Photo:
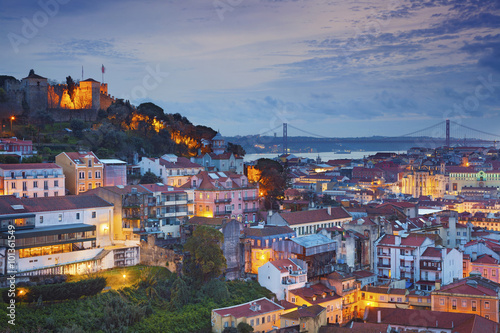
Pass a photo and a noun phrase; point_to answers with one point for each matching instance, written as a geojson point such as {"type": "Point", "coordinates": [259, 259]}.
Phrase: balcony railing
{"type": "Point", "coordinates": [381, 264]}
{"type": "Point", "coordinates": [250, 198]}
{"type": "Point", "coordinates": [383, 254]}
{"type": "Point", "coordinates": [224, 212]}
{"type": "Point", "coordinates": [250, 210]}
{"type": "Point", "coordinates": [223, 200]}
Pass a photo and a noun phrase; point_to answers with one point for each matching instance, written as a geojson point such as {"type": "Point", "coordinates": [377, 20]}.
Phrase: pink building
{"type": "Point", "coordinates": [224, 194]}
{"type": "Point", "coordinates": [16, 146]}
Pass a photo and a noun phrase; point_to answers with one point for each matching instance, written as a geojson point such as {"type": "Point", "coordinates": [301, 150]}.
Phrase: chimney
{"type": "Point", "coordinates": [397, 240]}
{"type": "Point", "coordinates": [437, 286]}
{"type": "Point", "coordinates": [329, 209]}
{"type": "Point", "coordinates": [379, 316]}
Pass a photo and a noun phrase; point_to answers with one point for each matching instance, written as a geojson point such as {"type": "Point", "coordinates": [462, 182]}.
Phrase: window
{"type": "Point", "coordinates": [420, 300]}
{"type": "Point", "coordinates": [98, 174]}
{"type": "Point", "coordinates": [454, 304]}
{"type": "Point", "coordinates": [257, 322]}
{"type": "Point", "coordinates": [293, 299]}
{"type": "Point", "coordinates": [493, 272]}
{"type": "Point", "coordinates": [35, 184]}
{"type": "Point", "coordinates": [90, 163]}
{"type": "Point", "coordinates": [77, 216]}
{"type": "Point", "coordinates": [60, 218]}
{"type": "Point", "coordinates": [382, 298]}
{"type": "Point", "coordinates": [56, 183]}
{"type": "Point", "coordinates": [90, 174]}
{"type": "Point", "coordinates": [41, 219]}
{"type": "Point", "coordinates": [25, 186]}
{"type": "Point", "coordinates": [464, 303]}
{"type": "Point", "coordinates": [13, 185]}
{"type": "Point", "coordinates": [207, 208]}
{"type": "Point", "coordinates": [251, 322]}
{"type": "Point", "coordinates": [485, 271]}
{"type": "Point", "coordinates": [94, 214]}
{"type": "Point", "coordinates": [400, 299]}
{"type": "Point", "coordinates": [81, 175]}
{"type": "Point", "coordinates": [473, 305]}
{"type": "Point", "coordinates": [45, 184]}
{"type": "Point", "coordinates": [263, 320]}
{"type": "Point", "coordinates": [486, 305]}
{"type": "Point", "coordinates": [35, 195]}
{"type": "Point", "coordinates": [441, 301]}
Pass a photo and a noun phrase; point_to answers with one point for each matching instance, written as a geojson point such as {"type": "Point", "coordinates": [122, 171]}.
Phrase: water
{"type": "Point", "coordinates": [325, 156]}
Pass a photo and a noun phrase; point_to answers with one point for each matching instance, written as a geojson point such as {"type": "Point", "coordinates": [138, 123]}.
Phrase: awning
{"type": "Point", "coordinates": [52, 230]}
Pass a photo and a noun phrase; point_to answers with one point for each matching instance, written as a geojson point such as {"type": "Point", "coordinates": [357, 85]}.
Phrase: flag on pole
{"type": "Point", "coordinates": [103, 69]}
{"type": "Point", "coordinates": [82, 72]}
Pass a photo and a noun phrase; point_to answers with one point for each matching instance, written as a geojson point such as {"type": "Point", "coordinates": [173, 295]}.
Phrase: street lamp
{"type": "Point", "coordinates": [11, 119]}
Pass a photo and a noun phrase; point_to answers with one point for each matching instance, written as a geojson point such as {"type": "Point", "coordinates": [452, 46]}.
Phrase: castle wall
{"type": "Point", "coordinates": [106, 101]}
{"type": "Point", "coordinates": [36, 93]}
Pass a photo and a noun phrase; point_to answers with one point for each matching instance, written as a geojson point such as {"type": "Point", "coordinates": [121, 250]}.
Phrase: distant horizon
{"type": "Point", "coordinates": [335, 68]}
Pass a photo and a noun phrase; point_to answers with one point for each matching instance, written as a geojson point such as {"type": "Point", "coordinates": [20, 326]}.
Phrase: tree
{"type": "Point", "coordinates": [244, 328]}
{"type": "Point", "coordinates": [179, 293]}
{"type": "Point", "coordinates": [236, 149]}
{"type": "Point", "coordinates": [272, 181]}
{"type": "Point", "coordinates": [206, 260]}
{"type": "Point", "coordinates": [150, 178]}
{"type": "Point", "coordinates": [77, 126]}
{"type": "Point", "coordinates": [71, 87]}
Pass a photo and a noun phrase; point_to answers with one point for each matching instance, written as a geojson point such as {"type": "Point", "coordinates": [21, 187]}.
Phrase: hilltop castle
{"type": "Point", "coordinates": [34, 93]}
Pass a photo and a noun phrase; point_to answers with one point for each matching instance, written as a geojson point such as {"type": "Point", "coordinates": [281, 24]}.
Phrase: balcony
{"type": "Point", "coordinates": [223, 200]}
{"type": "Point", "coordinates": [250, 198]}
{"type": "Point", "coordinates": [299, 272]}
{"type": "Point", "coordinates": [250, 210]}
{"type": "Point", "coordinates": [407, 268]}
{"type": "Point", "coordinates": [227, 212]}
{"type": "Point", "coordinates": [383, 254]}
{"type": "Point", "coordinates": [381, 264]}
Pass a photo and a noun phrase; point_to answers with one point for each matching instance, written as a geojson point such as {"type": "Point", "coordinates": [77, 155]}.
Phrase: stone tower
{"type": "Point", "coordinates": [90, 88]}
{"type": "Point", "coordinates": [35, 89]}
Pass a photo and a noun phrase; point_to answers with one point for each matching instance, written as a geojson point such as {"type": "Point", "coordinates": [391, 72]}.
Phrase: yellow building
{"type": "Point", "coordinates": [262, 314]}
{"type": "Point", "coordinates": [319, 294]}
{"type": "Point", "coordinates": [83, 171]}
{"type": "Point", "coordinates": [309, 319]}
{"type": "Point", "coordinates": [382, 297]}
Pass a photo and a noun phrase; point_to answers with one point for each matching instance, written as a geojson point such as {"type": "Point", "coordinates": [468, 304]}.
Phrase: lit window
{"type": "Point", "coordinates": [94, 215]}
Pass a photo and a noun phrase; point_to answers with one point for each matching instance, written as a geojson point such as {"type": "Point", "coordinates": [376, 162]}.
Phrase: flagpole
{"type": "Point", "coordinates": [82, 72]}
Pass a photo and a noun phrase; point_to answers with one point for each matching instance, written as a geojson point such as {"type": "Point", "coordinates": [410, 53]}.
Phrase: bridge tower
{"type": "Point", "coordinates": [285, 138]}
{"type": "Point", "coordinates": [447, 133]}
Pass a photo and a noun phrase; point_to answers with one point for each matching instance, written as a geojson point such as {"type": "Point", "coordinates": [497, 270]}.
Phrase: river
{"type": "Point", "coordinates": [325, 156]}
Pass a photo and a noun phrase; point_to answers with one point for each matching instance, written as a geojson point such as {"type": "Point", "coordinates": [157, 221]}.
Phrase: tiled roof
{"type": "Point", "coordinates": [317, 290]}
{"type": "Point", "coordinates": [268, 230]}
{"type": "Point", "coordinates": [282, 265]}
{"type": "Point", "coordinates": [476, 286]}
{"type": "Point", "coordinates": [410, 240]}
{"type": "Point", "coordinates": [182, 162]}
{"type": "Point", "coordinates": [74, 156]}
{"type": "Point", "coordinates": [362, 274]}
{"type": "Point", "coordinates": [302, 312]}
{"type": "Point", "coordinates": [485, 259]}
{"type": "Point", "coordinates": [47, 204]}
{"type": "Point", "coordinates": [243, 310]}
{"type": "Point", "coordinates": [432, 252]}
{"type": "Point", "coordinates": [311, 216]}
{"type": "Point", "coordinates": [29, 166]}
{"type": "Point", "coordinates": [457, 322]}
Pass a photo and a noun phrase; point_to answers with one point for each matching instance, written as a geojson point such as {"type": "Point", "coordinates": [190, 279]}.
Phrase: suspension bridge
{"type": "Point", "coordinates": [446, 133]}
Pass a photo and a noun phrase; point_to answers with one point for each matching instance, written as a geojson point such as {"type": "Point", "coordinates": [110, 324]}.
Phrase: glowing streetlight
{"type": "Point", "coordinates": [124, 276]}
{"type": "Point", "coordinates": [11, 119]}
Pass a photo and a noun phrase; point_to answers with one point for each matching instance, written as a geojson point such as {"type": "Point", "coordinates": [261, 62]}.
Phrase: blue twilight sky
{"type": "Point", "coordinates": [333, 67]}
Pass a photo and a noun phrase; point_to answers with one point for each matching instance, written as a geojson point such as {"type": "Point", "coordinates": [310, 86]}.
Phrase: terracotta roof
{"type": "Point", "coordinates": [283, 264]}
{"type": "Point", "coordinates": [243, 310]}
{"type": "Point", "coordinates": [29, 166]}
{"type": "Point", "coordinates": [457, 322]}
{"type": "Point", "coordinates": [317, 290]}
{"type": "Point", "coordinates": [162, 188]}
{"type": "Point", "coordinates": [363, 274]}
{"type": "Point", "coordinates": [432, 252]}
{"type": "Point", "coordinates": [311, 216]}
{"type": "Point", "coordinates": [74, 156]}
{"type": "Point", "coordinates": [485, 259]}
{"type": "Point", "coordinates": [410, 240]}
{"type": "Point", "coordinates": [47, 204]}
{"type": "Point", "coordinates": [302, 312]}
{"type": "Point", "coordinates": [476, 286]}
{"type": "Point", "coordinates": [268, 230]}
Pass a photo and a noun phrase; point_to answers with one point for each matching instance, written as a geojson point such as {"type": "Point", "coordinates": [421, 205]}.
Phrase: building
{"type": "Point", "coordinates": [219, 194]}
{"type": "Point", "coordinates": [220, 160]}
{"type": "Point", "coordinates": [282, 276]}
{"type": "Point", "coordinates": [422, 182]}
{"type": "Point", "coordinates": [381, 297]}
{"type": "Point", "coordinates": [22, 148]}
{"type": "Point", "coordinates": [307, 319]}
{"type": "Point", "coordinates": [115, 172]}
{"type": "Point", "coordinates": [474, 295]}
{"type": "Point", "coordinates": [32, 180]}
{"type": "Point", "coordinates": [260, 240]}
{"type": "Point", "coordinates": [60, 235]}
{"type": "Point", "coordinates": [262, 314]}
{"type": "Point", "coordinates": [484, 264]}
{"type": "Point", "coordinates": [319, 295]}
{"type": "Point", "coordinates": [317, 251]}
{"type": "Point", "coordinates": [439, 266]}
{"type": "Point", "coordinates": [461, 177]}
{"type": "Point", "coordinates": [173, 170]}
{"type": "Point", "coordinates": [405, 320]}
{"type": "Point", "coordinates": [345, 285]}
{"type": "Point", "coordinates": [83, 171]}
{"type": "Point", "coordinates": [399, 257]}
{"type": "Point", "coordinates": [310, 221]}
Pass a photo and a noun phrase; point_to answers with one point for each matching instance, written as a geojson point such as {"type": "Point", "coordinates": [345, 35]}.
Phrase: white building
{"type": "Point", "coordinates": [281, 276]}
{"type": "Point", "coordinates": [32, 180]}
{"type": "Point", "coordinates": [439, 266]}
{"type": "Point", "coordinates": [173, 170]}
{"type": "Point", "coordinates": [59, 235]}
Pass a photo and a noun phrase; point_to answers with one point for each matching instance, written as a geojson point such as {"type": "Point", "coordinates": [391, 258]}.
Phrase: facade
{"type": "Point", "coordinates": [32, 180]}
{"type": "Point", "coordinates": [224, 195]}
{"type": "Point", "coordinates": [381, 297]}
{"type": "Point", "coordinates": [260, 241]}
{"type": "Point", "coordinates": [474, 295]}
{"type": "Point", "coordinates": [310, 221]}
{"type": "Point", "coordinates": [439, 266]}
{"type": "Point", "coordinates": [262, 314]}
{"type": "Point", "coordinates": [282, 276]}
{"type": "Point", "coordinates": [419, 183]}
{"type": "Point", "coordinates": [174, 171]}
{"type": "Point", "coordinates": [307, 319]}
{"type": "Point", "coordinates": [23, 148]}
{"type": "Point", "coordinates": [115, 172]}
{"type": "Point", "coordinates": [483, 264]}
{"type": "Point", "coordinates": [319, 295]}
{"type": "Point", "coordinates": [461, 177]}
{"type": "Point", "coordinates": [399, 257]}
{"type": "Point", "coordinates": [83, 171]}
{"type": "Point", "coordinates": [346, 286]}
{"type": "Point", "coordinates": [56, 235]}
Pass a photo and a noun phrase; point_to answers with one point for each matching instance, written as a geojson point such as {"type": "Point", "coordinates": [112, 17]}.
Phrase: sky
{"type": "Point", "coordinates": [336, 68]}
